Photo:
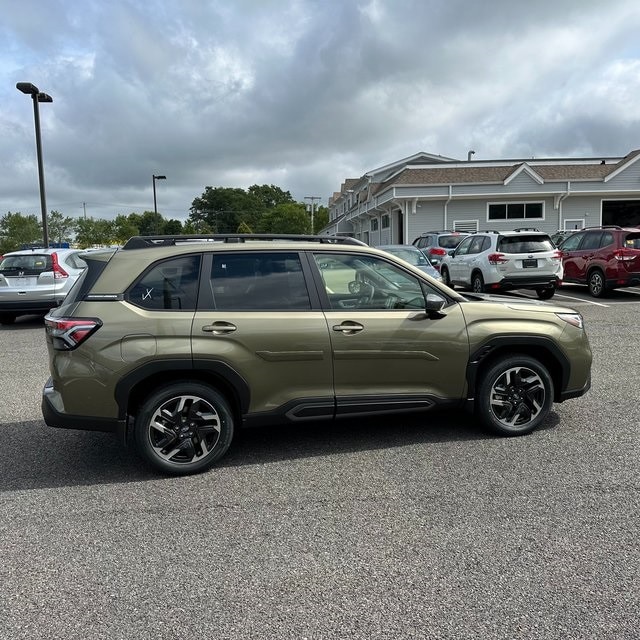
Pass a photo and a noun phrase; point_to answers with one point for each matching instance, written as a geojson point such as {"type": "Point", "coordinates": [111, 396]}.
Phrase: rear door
{"type": "Point", "coordinates": [573, 262]}
{"type": "Point", "coordinates": [257, 316]}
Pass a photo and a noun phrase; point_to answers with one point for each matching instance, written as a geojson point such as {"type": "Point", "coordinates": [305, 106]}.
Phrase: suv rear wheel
{"type": "Point", "coordinates": [546, 294]}
{"type": "Point", "coordinates": [477, 283]}
{"type": "Point", "coordinates": [515, 395]}
{"type": "Point", "coordinates": [596, 283]}
{"type": "Point", "coordinates": [183, 427]}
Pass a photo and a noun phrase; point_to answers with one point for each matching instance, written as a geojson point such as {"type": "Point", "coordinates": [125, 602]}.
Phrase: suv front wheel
{"type": "Point", "coordinates": [515, 395]}
{"type": "Point", "coordinates": [183, 428]}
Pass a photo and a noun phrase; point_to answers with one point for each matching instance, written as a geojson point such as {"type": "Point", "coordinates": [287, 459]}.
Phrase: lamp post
{"type": "Point", "coordinates": [155, 206]}
{"type": "Point", "coordinates": [37, 97]}
{"type": "Point", "coordinates": [313, 200]}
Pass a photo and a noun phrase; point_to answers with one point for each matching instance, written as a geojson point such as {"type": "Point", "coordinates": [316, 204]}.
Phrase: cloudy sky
{"type": "Point", "coordinates": [300, 93]}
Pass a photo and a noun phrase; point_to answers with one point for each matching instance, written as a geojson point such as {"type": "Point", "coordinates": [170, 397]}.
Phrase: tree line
{"type": "Point", "coordinates": [259, 209]}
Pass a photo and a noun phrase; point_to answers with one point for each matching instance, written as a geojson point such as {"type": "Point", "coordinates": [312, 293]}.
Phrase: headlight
{"type": "Point", "coordinates": [574, 319]}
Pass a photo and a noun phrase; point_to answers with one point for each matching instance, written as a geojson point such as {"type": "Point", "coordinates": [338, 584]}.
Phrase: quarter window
{"type": "Point", "coordinates": [168, 285]}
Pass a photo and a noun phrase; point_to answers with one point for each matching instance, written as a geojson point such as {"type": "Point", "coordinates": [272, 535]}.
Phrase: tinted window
{"type": "Point", "coordinates": [27, 264]}
{"type": "Point", "coordinates": [525, 244]}
{"type": "Point", "coordinates": [450, 242]}
{"type": "Point", "coordinates": [171, 284]}
{"type": "Point", "coordinates": [572, 242]}
{"type": "Point", "coordinates": [258, 281]}
{"type": "Point", "coordinates": [607, 239]}
{"type": "Point", "coordinates": [632, 241]}
{"type": "Point", "coordinates": [591, 241]}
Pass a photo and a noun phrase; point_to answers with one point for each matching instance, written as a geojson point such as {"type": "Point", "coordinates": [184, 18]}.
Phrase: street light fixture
{"type": "Point", "coordinates": [37, 97]}
{"type": "Point", "coordinates": [155, 205]}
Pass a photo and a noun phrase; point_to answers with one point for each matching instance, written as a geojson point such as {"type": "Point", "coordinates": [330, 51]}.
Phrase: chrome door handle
{"type": "Point", "coordinates": [348, 327]}
{"type": "Point", "coordinates": [219, 328]}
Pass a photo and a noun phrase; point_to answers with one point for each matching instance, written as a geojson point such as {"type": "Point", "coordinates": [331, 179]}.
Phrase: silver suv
{"type": "Point", "coordinates": [505, 260]}
{"type": "Point", "coordinates": [32, 281]}
{"type": "Point", "coordinates": [436, 244]}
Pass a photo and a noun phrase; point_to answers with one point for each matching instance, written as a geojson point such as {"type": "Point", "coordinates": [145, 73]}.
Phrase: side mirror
{"type": "Point", "coordinates": [434, 305]}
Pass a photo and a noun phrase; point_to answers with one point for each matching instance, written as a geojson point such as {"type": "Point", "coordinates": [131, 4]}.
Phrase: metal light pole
{"type": "Point", "coordinates": [37, 96]}
{"type": "Point", "coordinates": [155, 206]}
{"type": "Point", "coordinates": [313, 199]}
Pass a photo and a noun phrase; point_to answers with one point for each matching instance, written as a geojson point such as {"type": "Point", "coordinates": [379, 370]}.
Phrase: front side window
{"type": "Point", "coordinates": [368, 282]}
{"type": "Point", "coordinates": [572, 242]}
{"type": "Point", "coordinates": [463, 247]}
{"type": "Point", "coordinates": [252, 281]}
{"type": "Point", "coordinates": [515, 211]}
{"type": "Point", "coordinates": [168, 285]}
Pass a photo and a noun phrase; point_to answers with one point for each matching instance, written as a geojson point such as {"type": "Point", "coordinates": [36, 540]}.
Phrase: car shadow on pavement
{"type": "Point", "coordinates": [35, 456]}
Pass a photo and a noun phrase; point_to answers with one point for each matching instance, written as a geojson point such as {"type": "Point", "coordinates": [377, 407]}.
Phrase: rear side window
{"type": "Point", "coordinates": [258, 281]}
{"type": "Point", "coordinates": [27, 264]}
{"type": "Point", "coordinates": [169, 285]}
{"type": "Point", "coordinates": [525, 244]}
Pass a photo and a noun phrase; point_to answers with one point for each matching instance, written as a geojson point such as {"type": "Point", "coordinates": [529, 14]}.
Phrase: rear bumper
{"type": "Point", "coordinates": [55, 416]}
{"type": "Point", "coordinates": [27, 306]}
{"type": "Point", "coordinates": [526, 282]}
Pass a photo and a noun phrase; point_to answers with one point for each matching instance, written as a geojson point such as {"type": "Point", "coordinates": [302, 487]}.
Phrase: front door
{"type": "Point", "coordinates": [387, 352]}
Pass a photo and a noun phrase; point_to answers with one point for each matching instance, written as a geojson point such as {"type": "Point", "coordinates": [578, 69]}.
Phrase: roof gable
{"type": "Point", "coordinates": [625, 163]}
{"type": "Point", "coordinates": [524, 168]}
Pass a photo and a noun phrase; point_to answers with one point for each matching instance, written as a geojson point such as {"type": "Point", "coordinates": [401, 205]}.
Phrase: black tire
{"type": "Point", "coordinates": [183, 427]}
{"type": "Point", "coordinates": [546, 294]}
{"type": "Point", "coordinates": [7, 318]}
{"type": "Point", "coordinates": [597, 283]}
{"type": "Point", "coordinates": [477, 283]}
{"type": "Point", "coordinates": [514, 396]}
{"type": "Point", "coordinates": [444, 272]}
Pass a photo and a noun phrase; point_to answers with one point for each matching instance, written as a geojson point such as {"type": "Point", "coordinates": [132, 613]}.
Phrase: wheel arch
{"type": "Point", "coordinates": [134, 387]}
{"type": "Point", "coordinates": [539, 348]}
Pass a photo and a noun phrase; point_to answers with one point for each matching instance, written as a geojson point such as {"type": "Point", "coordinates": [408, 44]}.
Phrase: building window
{"type": "Point", "coordinates": [516, 211]}
{"type": "Point", "coordinates": [374, 224]}
{"type": "Point", "coordinates": [385, 221]}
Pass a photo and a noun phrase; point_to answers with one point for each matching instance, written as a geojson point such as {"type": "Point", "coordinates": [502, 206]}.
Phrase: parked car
{"type": "Point", "coordinates": [506, 260]}
{"type": "Point", "coordinates": [412, 255]}
{"type": "Point", "coordinates": [175, 342]}
{"type": "Point", "coordinates": [436, 244]}
{"type": "Point", "coordinates": [604, 258]}
{"type": "Point", "coordinates": [32, 281]}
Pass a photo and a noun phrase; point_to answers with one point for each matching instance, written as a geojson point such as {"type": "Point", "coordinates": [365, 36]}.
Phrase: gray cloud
{"type": "Point", "coordinates": [300, 94]}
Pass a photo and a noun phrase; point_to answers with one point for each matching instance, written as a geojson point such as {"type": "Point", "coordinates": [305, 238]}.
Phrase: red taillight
{"type": "Point", "coordinates": [436, 251]}
{"type": "Point", "coordinates": [497, 258]}
{"type": "Point", "coordinates": [69, 333]}
{"type": "Point", "coordinates": [58, 272]}
{"type": "Point", "coordinates": [625, 255]}
{"type": "Point", "coordinates": [557, 255]}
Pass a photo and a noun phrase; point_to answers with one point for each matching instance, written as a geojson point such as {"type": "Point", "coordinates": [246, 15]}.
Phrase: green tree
{"type": "Point", "coordinates": [223, 209]}
{"type": "Point", "coordinates": [269, 195]}
{"type": "Point", "coordinates": [286, 218]}
{"type": "Point", "coordinates": [60, 228]}
{"type": "Point", "coordinates": [17, 229]}
{"type": "Point", "coordinates": [199, 227]}
{"type": "Point", "coordinates": [91, 232]}
{"type": "Point", "coordinates": [124, 227]}
{"type": "Point", "coordinates": [172, 227]}
{"type": "Point", "coordinates": [320, 219]}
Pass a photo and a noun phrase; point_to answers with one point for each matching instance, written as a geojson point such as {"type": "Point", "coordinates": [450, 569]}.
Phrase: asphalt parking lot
{"type": "Point", "coordinates": [419, 527]}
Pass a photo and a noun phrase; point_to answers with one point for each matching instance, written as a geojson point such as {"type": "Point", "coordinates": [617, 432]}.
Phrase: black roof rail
{"type": "Point", "coordinates": [603, 226]}
{"type": "Point", "coordinates": [526, 229]}
{"type": "Point", "coordinates": [144, 242]}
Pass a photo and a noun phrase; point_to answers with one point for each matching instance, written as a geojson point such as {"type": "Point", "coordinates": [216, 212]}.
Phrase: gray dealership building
{"type": "Point", "coordinates": [397, 202]}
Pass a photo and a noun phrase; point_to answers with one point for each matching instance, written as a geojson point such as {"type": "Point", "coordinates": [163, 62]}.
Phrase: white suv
{"type": "Point", "coordinates": [505, 260]}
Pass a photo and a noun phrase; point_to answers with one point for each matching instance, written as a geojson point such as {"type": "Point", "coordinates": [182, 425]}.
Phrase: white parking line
{"type": "Point", "coordinates": [563, 295]}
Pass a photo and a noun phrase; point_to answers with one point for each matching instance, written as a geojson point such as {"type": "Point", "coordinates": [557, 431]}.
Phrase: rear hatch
{"type": "Point", "coordinates": [524, 255]}
{"type": "Point", "coordinates": [28, 276]}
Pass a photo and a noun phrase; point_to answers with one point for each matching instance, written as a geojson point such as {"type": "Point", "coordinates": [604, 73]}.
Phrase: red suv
{"type": "Point", "coordinates": [603, 258]}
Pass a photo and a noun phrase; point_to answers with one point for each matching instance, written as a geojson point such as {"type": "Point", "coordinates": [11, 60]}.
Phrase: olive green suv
{"type": "Point", "coordinates": [175, 342]}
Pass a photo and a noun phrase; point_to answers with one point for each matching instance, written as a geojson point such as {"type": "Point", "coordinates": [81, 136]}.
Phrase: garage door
{"type": "Point", "coordinates": [625, 213]}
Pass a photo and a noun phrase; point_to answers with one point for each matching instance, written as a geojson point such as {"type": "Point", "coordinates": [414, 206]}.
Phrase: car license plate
{"type": "Point", "coordinates": [529, 264]}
